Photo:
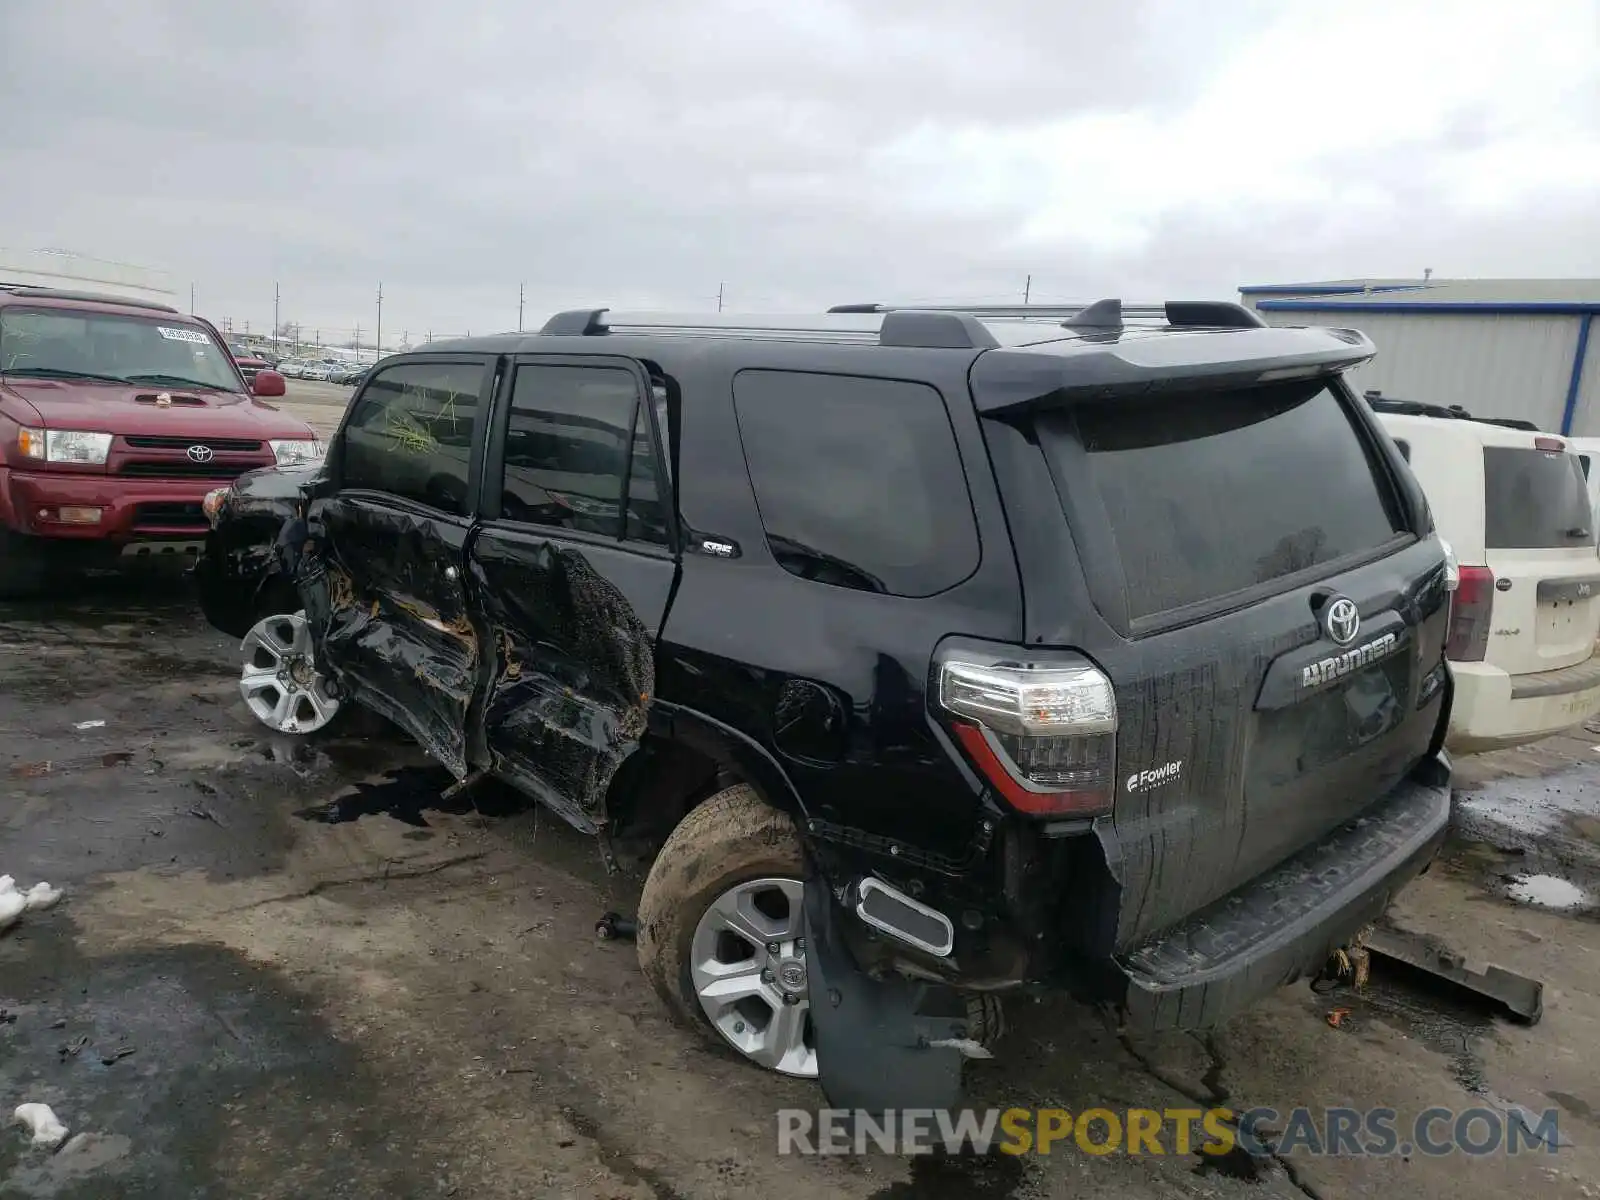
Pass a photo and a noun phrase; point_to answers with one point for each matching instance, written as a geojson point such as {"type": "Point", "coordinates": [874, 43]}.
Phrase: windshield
{"type": "Point", "coordinates": [62, 344]}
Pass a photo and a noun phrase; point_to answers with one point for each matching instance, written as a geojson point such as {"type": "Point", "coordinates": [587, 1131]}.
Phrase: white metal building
{"type": "Point", "coordinates": [1497, 347]}
{"type": "Point", "coordinates": [80, 273]}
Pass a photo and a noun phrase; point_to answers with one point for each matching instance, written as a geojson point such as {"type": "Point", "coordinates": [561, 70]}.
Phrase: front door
{"type": "Point", "coordinates": [394, 628]}
{"type": "Point", "coordinates": [573, 568]}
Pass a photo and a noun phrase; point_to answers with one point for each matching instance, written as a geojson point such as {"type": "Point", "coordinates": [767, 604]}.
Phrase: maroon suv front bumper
{"type": "Point", "coordinates": [130, 509]}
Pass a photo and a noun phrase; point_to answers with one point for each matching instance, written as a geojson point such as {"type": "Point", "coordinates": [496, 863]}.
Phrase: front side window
{"type": "Point", "coordinates": [410, 434]}
{"type": "Point", "coordinates": [858, 480]}
{"type": "Point", "coordinates": [577, 443]}
{"type": "Point", "coordinates": [63, 344]}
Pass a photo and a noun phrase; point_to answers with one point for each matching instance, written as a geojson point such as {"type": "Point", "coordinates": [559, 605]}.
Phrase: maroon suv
{"type": "Point", "coordinates": [116, 418]}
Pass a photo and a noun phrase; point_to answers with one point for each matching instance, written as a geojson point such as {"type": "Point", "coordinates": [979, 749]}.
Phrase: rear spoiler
{"type": "Point", "coordinates": [1061, 372]}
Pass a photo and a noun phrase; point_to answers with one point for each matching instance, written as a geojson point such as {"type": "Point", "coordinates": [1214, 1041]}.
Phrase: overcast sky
{"type": "Point", "coordinates": [641, 153]}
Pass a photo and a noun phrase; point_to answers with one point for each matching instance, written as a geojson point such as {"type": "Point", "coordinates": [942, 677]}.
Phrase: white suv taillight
{"type": "Point", "coordinates": [1044, 737]}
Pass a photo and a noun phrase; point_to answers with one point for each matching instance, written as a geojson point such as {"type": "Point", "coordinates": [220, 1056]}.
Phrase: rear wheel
{"type": "Point", "coordinates": [722, 930]}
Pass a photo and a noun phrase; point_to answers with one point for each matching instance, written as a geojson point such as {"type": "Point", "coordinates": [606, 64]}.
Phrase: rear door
{"type": "Point", "coordinates": [1274, 625]}
{"type": "Point", "coordinates": [572, 570]}
{"type": "Point", "coordinates": [1539, 541]}
{"type": "Point", "coordinates": [395, 628]}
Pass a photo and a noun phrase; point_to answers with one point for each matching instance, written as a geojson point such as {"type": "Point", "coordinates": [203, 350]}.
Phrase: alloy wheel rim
{"type": "Point", "coordinates": [279, 681]}
{"type": "Point", "coordinates": [748, 967]}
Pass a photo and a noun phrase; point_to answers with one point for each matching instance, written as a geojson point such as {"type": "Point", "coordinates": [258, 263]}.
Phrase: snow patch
{"type": "Point", "coordinates": [42, 1123]}
{"type": "Point", "coordinates": [1548, 891]}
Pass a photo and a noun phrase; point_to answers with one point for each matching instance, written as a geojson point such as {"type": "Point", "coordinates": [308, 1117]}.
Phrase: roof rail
{"type": "Point", "coordinates": [1100, 314]}
{"type": "Point", "coordinates": [1378, 402]}
{"type": "Point", "coordinates": [904, 328]}
{"type": "Point", "coordinates": [45, 293]}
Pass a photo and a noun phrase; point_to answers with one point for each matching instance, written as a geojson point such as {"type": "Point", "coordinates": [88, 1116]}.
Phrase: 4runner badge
{"type": "Point", "coordinates": [1339, 665]}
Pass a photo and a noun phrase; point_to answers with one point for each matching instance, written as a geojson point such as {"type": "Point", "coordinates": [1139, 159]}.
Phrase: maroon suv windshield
{"type": "Point", "coordinates": [56, 343]}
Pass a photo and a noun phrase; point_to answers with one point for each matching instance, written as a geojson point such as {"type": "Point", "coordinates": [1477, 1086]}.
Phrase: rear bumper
{"type": "Point", "coordinates": [1283, 926]}
{"type": "Point", "coordinates": [131, 509]}
{"type": "Point", "coordinates": [1494, 709]}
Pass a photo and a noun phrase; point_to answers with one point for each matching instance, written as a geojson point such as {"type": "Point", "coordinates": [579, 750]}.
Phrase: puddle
{"type": "Point", "coordinates": [408, 793]}
{"type": "Point", "coordinates": [1429, 1010]}
{"type": "Point", "coordinates": [1547, 891]}
{"type": "Point", "coordinates": [958, 1177]}
{"type": "Point", "coordinates": [1521, 811]}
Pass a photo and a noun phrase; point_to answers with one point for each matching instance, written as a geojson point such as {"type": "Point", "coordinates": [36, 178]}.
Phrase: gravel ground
{"type": "Point", "coordinates": [411, 1002]}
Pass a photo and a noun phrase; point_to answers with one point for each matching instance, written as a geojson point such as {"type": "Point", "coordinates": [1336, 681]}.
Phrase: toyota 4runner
{"type": "Point", "coordinates": [116, 417]}
{"type": "Point", "coordinates": [941, 651]}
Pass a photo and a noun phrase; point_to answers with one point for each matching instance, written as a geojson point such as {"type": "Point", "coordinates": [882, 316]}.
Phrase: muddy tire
{"type": "Point", "coordinates": [733, 839]}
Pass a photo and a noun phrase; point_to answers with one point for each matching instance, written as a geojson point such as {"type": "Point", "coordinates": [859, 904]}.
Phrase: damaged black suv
{"type": "Point", "coordinates": [939, 651]}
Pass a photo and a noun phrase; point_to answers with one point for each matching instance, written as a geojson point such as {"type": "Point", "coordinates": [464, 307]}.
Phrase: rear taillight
{"type": "Point", "coordinates": [1044, 737]}
{"type": "Point", "coordinates": [1471, 610]}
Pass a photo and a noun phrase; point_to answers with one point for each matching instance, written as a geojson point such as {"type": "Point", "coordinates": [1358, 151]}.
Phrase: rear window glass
{"type": "Point", "coordinates": [1534, 500]}
{"type": "Point", "coordinates": [1211, 494]}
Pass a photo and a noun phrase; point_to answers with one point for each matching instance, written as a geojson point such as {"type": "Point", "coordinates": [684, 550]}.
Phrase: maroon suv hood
{"type": "Point", "coordinates": [114, 408]}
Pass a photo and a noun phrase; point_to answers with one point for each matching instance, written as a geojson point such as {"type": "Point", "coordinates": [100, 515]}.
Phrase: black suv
{"type": "Point", "coordinates": [939, 651]}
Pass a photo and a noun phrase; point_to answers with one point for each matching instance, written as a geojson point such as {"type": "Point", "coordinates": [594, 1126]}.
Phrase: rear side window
{"type": "Point", "coordinates": [1212, 494]}
{"type": "Point", "coordinates": [411, 433]}
{"type": "Point", "coordinates": [1534, 500]}
{"type": "Point", "coordinates": [577, 442]}
{"type": "Point", "coordinates": [1404, 447]}
{"type": "Point", "coordinates": [858, 480]}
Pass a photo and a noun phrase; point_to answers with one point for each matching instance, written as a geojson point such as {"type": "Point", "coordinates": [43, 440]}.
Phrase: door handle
{"type": "Point", "coordinates": [451, 573]}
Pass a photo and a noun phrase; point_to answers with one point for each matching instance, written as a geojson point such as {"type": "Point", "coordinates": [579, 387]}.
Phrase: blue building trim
{"type": "Point", "coordinates": [1576, 382]}
{"type": "Point", "coordinates": [1326, 289]}
{"type": "Point", "coordinates": [1485, 308]}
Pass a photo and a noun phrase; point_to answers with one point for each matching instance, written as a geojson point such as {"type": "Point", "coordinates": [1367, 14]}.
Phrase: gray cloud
{"type": "Point", "coordinates": [639, 154]}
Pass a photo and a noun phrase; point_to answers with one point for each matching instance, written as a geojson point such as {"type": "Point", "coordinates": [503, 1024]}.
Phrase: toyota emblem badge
{"type": "Point", "coordinates": [200, 454]}
{"type": "Point", "coordinates": [1342, 621]}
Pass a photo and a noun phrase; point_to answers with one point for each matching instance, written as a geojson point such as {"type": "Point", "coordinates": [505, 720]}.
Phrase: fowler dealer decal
{"type": "Point", "coordinates": [1340, 665]}
{"type": "Point", "coordinates": [1143, 781]}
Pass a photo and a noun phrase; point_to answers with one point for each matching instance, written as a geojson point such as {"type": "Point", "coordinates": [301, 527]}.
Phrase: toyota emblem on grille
{"type": "Point", "coordinates": [205, 453]}
{"type": "Point", "coordinates": [1342, 621]}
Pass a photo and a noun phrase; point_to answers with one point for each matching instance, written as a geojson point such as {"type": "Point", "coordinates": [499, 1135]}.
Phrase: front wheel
{"type": "Point", "coordinates": [280, 682]}
{"type": "Point", "coordinates": [722, 930]}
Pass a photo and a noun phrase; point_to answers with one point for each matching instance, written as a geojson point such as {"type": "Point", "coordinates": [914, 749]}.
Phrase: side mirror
{"type": "Point", "coordinates": [269, 383]}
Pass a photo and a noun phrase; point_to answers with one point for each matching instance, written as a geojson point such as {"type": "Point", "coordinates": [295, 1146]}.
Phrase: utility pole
{"type": "Point", "coordinates": [719, 296]}
{"type": "Point", "coordinates": [377, 338]}
{"type": "Point", "coordinates": [246, 325]}
{"type": "Point", "coordinates": [191, 299]}
{"type": "Point", "coordinates": [275, 329]}
{"type": "Point", "coordinates": [1027, 290]}
{"type": "Point", "coordinates": [357, 340]}
{"type": "Point", "coordinates": [520, 286]}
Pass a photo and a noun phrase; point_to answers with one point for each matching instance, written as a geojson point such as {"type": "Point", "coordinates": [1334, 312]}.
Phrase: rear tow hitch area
{"type": "Point", "coordinates": [881, 1044]}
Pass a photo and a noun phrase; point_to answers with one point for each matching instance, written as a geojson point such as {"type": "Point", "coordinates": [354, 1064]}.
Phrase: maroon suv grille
{"type": "Point", "coordinates": [180, 468]}
{"type": "Point", "coordinates": [163, 442]}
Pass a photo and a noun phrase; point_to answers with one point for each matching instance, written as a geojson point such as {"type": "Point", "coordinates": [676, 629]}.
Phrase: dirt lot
{"type": "Point", "coordinates": [331, 989]}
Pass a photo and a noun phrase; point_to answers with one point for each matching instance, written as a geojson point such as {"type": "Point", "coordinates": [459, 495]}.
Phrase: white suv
{"type": "Point", "coordinates": [1514, 505]}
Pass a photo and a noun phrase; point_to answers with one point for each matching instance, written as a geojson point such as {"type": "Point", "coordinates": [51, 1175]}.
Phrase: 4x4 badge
{"type": "Point", "coordinates": [1342, 621]}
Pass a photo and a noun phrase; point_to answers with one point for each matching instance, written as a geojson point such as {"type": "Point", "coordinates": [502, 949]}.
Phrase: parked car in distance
{"type": "Point", "coordinates": [695, 582]}
{"type": "Point", "coordinates": [315, 370]}
{"type": "Point", "coordinates": [249, 366]}
{"type": "Point", "coordinates": [1514, 506]}
{"type": "Point", "coordinates": [116, 417]}
{"type": "Point", "coordinates": [291, 367]}
{"type": "Point", "coordinates": [351, 374]}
